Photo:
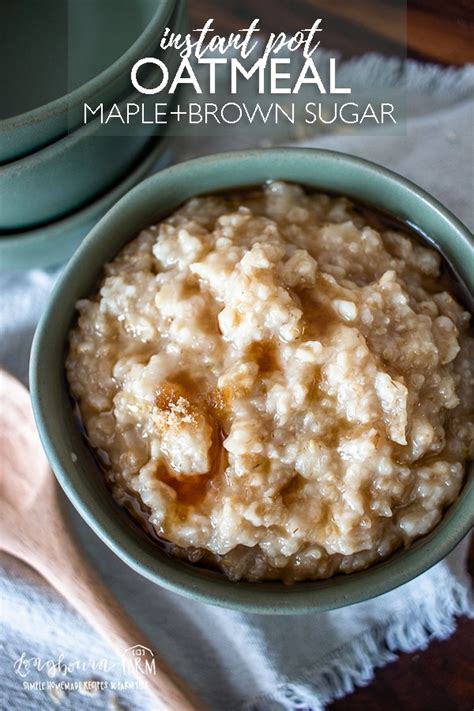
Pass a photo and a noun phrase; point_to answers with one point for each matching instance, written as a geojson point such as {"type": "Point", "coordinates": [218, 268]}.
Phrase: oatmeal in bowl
{"type": "Point", "coordinates": [279, 380]}
{"type": "Point", "coordinates": [254, 377]}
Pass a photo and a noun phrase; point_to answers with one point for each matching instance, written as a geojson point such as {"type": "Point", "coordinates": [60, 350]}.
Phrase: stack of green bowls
{"type": "Point", "coordinates": [59, 175]}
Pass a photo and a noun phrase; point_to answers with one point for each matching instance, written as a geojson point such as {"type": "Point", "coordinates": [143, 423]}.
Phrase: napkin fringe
{"type": "Point", "coordinates": [354, 664]}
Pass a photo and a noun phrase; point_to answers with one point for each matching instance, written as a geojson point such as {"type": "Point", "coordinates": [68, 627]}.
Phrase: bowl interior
{"type": "Point", "coordinates": [68, 453]}
{"type": "Point", "coordinates": [58, 45]}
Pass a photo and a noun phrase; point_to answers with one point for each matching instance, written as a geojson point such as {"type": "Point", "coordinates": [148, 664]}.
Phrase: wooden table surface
{"type": "Point", "coordinates": [440, 678]}
{"type": "Point", "coordinates": [430, 30]}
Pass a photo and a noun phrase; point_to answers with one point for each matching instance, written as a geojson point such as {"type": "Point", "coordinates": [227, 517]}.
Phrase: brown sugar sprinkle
{"type": "Point", "coordinates": [175, 399]}
{"type": "Point", "coordinates": [174, 404]}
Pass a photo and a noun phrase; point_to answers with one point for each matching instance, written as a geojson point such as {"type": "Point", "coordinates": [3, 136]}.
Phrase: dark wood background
{"type": "Point", "coordinates": [441, 678]}
{"type": "Point", "coordinates": [434, 30]}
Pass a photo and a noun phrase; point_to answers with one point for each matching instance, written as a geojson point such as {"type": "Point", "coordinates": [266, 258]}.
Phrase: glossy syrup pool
{"type": "Point", "coordinates": [128, 504]}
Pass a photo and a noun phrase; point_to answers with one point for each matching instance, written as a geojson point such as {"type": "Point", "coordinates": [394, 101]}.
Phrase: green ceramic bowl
{"type": "Point", "coordinates": [65, 53]}
{"type": "Point", "coordinates": [55, 242]}
{"type": "Point", "coordinates": [148, 202]}
{"type": "Point", "coordinates": [66, 175]}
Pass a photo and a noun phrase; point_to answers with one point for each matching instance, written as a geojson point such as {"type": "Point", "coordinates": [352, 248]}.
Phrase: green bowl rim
{"type": "Point", "coordinates": [265, 598]}
{"type": "Point", "coordinates": [58, 228]}
{"type": "Point", "coordinates": [63, 103]}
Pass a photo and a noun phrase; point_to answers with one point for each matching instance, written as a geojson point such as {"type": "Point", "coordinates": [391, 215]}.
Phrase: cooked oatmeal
{"type": "Point", "coordinates": [283, 388]}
